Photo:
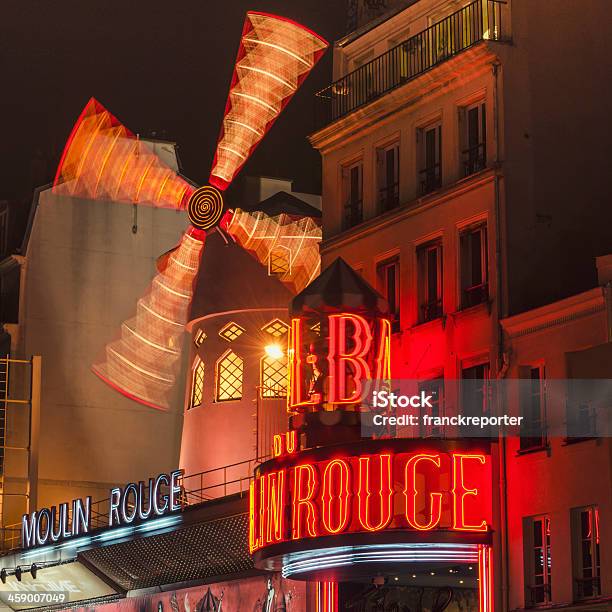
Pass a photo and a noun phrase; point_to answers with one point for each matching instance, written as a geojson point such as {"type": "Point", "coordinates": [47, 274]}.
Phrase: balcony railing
{"type": "Point", "coordinates": [480, 20]}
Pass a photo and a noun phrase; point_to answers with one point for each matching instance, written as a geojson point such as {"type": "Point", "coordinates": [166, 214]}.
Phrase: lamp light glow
{"type": "Point", "coordinates": [274, 351]}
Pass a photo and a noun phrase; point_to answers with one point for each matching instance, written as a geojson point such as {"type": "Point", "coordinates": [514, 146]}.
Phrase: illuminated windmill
{"type": "Point", "coordinates": [103, 160]}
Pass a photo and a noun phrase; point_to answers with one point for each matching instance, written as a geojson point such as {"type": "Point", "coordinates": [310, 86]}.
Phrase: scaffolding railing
{"type": "Point", "coordinates": [19, 434]}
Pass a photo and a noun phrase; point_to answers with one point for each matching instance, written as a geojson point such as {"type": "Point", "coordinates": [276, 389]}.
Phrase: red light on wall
{"type": "Point", "coordinates": [304, 512]}
{"type": "Point", "coordinates": [460, 492]}
{"type": "Point", "coordinates": [412, 494]}
{"type": "Point", "coordinates": [336, 493]}
{"type": "Point", "coordinates": [381, 500]}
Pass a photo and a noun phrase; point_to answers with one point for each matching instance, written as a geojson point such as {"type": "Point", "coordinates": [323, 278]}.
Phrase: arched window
{"type": "Point", "coordinates": [273, 378]}
{"type": "Point", "coordinates": [230, 368]}
{"type": "Point", "coordinates": [197, 384]}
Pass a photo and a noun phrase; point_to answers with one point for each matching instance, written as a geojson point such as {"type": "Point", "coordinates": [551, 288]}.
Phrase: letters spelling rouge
{"type": "Point", "coordinates": [360, 493]}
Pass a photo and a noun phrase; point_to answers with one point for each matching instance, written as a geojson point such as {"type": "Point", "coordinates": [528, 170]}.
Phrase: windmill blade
{"type": "Point", "coordinates": [288, 246]}
{"type": "Point", "coordinates": [103, 160]}
{"type": "Point", "coordinates": [274, 58]}
{"type": "Point", "coordinates": [141, 364]}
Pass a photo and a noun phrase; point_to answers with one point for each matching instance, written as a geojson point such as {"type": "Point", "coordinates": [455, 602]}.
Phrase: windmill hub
{"type": "Point", "coordinates": [205, 207]}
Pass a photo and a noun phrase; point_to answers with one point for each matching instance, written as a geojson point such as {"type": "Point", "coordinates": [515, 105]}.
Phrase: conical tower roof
{"type": "Point", "coordinates": [339, 289]}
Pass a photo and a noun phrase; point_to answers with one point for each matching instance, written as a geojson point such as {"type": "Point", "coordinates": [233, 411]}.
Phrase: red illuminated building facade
{"type": "Point", "coordinates": [447, 184]}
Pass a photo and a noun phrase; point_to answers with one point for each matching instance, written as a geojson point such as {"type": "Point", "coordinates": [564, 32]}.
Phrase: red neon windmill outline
{"type": "Point", "coordinates": [102, 159]}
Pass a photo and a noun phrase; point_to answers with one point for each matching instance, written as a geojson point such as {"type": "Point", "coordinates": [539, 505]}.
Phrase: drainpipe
{"type": "Point", "coordinates": [502, 357]}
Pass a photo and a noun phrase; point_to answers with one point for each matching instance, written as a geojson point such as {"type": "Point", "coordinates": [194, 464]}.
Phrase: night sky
{"type": "Point", "coordinates": [160, 67]}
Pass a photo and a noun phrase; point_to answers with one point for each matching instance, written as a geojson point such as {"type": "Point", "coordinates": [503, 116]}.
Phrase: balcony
{"type": "Point", "coordinates": [478, 21]}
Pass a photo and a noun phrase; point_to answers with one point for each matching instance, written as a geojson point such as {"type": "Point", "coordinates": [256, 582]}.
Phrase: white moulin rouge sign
{"type": "Point", "coordinates": [135, 502]}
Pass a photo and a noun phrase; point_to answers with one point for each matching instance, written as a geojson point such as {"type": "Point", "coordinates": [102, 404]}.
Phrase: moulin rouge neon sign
{"type": "Point", "coordinates": [354, 350]}
{"type": "Point", "coordinates": [420, 491]}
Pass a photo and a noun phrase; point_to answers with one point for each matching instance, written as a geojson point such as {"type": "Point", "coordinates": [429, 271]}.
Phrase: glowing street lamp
{"type": "Point", "coordinates": [274, 351]}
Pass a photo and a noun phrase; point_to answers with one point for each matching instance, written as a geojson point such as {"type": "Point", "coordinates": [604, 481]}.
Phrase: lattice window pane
{"type": "Point", "coordinates": [276, 328]}
{"type": "Point", "coordinates": [231, 331]}
{"type": "Point", "coordinates": [197, 388]}
{"type": "Point", "coordinates": [229, 377]}
{"type": "Point", "coordinates": [273, 377]}
{"type": "Point", "coordinates": [279, 262]}
{"type": "Point", "coordinates": [199, 337]}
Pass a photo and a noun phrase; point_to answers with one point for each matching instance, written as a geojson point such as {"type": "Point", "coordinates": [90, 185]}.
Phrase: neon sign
{"type": "Point", "coordinates": [334, 368]}
{"type": "Point", "coordinates": [296, 498]}
{"type": "Point", "coordinates": [50, 525]}
{"type": "Point", "coordinates": [127, 504]}
{"type": "Point", "coordinates": [133, 503]}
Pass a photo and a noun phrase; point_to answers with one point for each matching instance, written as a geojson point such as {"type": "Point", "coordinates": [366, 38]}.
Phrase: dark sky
{"type": "Point", "coordinates": [158, 66]}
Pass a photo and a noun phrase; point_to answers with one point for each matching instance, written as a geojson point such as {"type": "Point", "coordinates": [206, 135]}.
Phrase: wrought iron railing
{"type": "Point", "coordinates": [588, 587]}
{"type": "Point", "coordinates": [430, 178]}
{"type": "Point", "coordinates": [196, 488]}
{"type": "Point", "coordinates": [431, 310]}
{"type": "Point", "coordinates": [479, 20]}
{"type": "Point", "coordinates": [474, 159]}
{"type": "Point", "coordinates": [353, 213]}
{"type": "Point", "coordinates": [537, 594]}
{"type": "Point", "coordinates": [474, 295]}
{"type": "Point", "coordinates": [388, 197]}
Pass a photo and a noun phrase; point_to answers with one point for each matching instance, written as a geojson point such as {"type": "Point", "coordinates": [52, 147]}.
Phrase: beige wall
{"type": "Point", "coordinates": [85, 272]}
{"type": "Point", "coordinates": [556, 123]}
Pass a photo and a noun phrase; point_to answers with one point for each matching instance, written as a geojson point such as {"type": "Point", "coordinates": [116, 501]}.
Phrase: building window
{"type": "Point", "coordinates": [429, 140]}
{"type": "Point", "coordinates": [352, 180]}
{"type": "Point", "coordinates": [387, 273]}
{"type": "Point", "coordinates": [230, 369]}
{"type": "Point", "coordinates": [585, 540]}
{"type": "Point", "coordinates": [474, 138]}
{"type": "Point", "coordinates": [231, 331]}
{"type": "Point", "coordinates": [538, 561]}
{"type": "Point", "coordinates": [475, 395]}
{"type": "Point", "coordinates": [581, 413]}
{"type": "Point", "coordinates": [273, 379]}
{"type": "Point", "coordinates": [474, 268]}
{"type": "Point", "coordinates": [429, 279]}
{"type": "Point", "coordinates": [387, 174]}
{"type": "Point", "coordinates": [533, 409]}
{"type": "Point", "coordinates": [276, 328]}
{"type": "Point", "coordinates": [435, 388]}
{"type": "Point", "coordinates": [279, 261]}
{"type": "Point", "coordinates": [197, 384]}
{"type": "Point", "coordinates": [199, 337]}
